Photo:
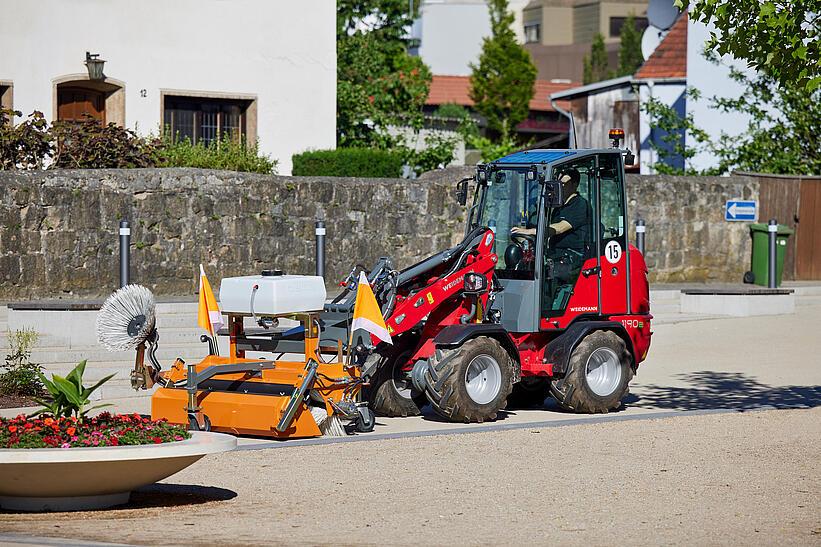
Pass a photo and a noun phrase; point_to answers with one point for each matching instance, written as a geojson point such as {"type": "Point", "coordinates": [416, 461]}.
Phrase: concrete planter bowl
{"type": "Point", "coordinates": [75, 479]}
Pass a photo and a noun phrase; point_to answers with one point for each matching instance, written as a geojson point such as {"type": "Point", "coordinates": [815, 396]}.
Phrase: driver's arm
{"type": "Point", "coordinates": [557, 228]}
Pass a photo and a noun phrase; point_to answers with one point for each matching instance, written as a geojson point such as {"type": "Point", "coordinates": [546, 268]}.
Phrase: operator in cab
{"type": "Point", "coordinates": [569, 223]}
{"type": "Point", "coordinates": [569, 239]}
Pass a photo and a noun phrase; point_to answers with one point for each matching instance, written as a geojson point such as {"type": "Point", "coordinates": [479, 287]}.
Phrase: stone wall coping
{"type": "Point", "coordinates": [743, 292]}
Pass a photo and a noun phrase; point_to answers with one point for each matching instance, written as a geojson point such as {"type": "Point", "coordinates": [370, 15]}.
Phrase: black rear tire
{"type": "Point", "coordinates": [384, 396]}
{"type": "Point", "coordinates": [447, 385]}
{"type": "Point", "coordinates": [574, 391]}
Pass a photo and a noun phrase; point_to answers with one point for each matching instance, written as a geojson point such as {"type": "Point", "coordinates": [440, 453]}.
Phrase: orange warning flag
{"type": "Point", "coordinates": [366, 313]}
{"type": "Point", "coordinates": [209, 316]}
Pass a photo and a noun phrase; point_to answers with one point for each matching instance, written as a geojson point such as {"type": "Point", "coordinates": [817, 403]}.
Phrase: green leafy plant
{"type": "Point", "coordinates": [437, 152]}
{"type": "Point", "coordinates": [69, 397]}
{"type": "Point", "coordinates": [379, 84]}
{"type": "Point", "coordinates": [350, 162]}
{"type": "Point", "coordinates": [20, 376]}
{"type": "Point", "coordinates": [783, 133]}
{"type": "Point", "coordinates": [501, 83]}
{"type": "Point", "coordinates": [227, 154]}
{"type": "Point", "coordinates": [671, 145]}
{"type": "Point", "coordinates": [630, 57]}
{"type": "Point", "coordinates": [89, 144]}
{"type": "Point", "coordinates": [780, 38]}
{"type": "Point", "coordinates": [493, 150]}
{"type": "Point", "coordinates": [25, 145]}
{"type": "Point", "coordinates": [597, 64]}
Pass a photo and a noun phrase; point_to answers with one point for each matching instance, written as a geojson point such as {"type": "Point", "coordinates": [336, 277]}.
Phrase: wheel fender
{"type": "Point", "coordinates": [456, 335]}
{"type": "Point", "coordinates": [559, 349]}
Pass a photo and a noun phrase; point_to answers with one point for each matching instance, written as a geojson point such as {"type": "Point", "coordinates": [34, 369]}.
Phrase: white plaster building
{"type": "Point", "coordinates": [263, 69]}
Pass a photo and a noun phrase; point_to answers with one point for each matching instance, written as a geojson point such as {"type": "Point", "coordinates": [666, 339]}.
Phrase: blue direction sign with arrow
{"type": "Point", "coordinates": [740, 210]}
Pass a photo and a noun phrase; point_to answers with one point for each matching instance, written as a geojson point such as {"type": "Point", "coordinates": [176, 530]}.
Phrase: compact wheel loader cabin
{"type": "Point", "coordinates": [544, 296]}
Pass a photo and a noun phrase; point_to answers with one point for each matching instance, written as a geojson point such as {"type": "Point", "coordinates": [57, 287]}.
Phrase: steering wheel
{"type": "Point", "coordinates": [526, 241]}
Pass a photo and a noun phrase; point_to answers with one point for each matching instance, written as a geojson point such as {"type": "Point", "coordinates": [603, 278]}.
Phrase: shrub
{"type": "Point", "coordinates": [25, 145]}
{"type": "Point", "coordinates": [88, 144]}
{"type": "Point", "coordinates": [227, 154]}
{"type": "Point", "coordinates": [349, 162]}
{"type": "Point", "coordinates": [436, 154]}
{"type": "Point", "coordinates": [20, 376]}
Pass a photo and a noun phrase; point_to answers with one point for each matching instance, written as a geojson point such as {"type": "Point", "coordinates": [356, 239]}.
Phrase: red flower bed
{"type": "Point", "coordinates": [105, 429]}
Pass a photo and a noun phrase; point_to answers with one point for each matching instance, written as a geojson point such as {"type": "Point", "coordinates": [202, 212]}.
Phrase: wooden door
{"type": "Point", "coordinates": [779, 197]}
{"type": "Point", "coordinates": [808, 244]}
{"type": "Point", "coordinates": [73, 103]}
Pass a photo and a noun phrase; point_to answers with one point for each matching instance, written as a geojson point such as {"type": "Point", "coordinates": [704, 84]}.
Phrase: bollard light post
{"type": "Point", "coordinates": [640, 229]}
{"type": "Point", "coordinates": [320, 248]}
{"type": "Point", "coordinates": [772, 233]}
{"type": "Point", "coordinates": [125, 245]}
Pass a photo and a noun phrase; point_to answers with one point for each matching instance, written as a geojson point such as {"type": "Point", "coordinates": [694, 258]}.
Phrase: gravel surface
{"type": "Point", "coordinates": [736, 478]}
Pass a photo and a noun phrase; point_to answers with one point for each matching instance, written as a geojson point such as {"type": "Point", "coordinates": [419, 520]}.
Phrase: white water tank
{"type": "Point", "coordinates": [272, 294]}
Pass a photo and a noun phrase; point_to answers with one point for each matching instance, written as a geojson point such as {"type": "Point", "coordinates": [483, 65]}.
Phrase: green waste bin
{"type": "Point", "coordinates": [761, 252]}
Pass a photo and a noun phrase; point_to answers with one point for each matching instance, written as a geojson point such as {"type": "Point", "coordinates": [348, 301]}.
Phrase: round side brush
{"type": "Point", "coordinates": [126, 319]}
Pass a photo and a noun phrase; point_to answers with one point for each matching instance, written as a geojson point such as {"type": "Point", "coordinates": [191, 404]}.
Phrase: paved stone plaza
{"type": "Point", "coordinates": [693, 457]}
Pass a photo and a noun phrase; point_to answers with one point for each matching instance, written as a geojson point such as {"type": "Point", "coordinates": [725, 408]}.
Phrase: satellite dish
{"type": "Point", "coordinates": [650, 40]}
{"type": "Point", "coordinates": [662, 13]}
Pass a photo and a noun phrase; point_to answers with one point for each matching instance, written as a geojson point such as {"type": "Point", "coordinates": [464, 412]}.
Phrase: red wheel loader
{"type": "Point", "coordinates": [544, 296]}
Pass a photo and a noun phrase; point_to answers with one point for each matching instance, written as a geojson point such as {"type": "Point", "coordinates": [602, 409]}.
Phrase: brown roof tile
{"type": "Point", "coordinates": [456, 89]}
{"type": "Point", "coordinates": [669, 60]}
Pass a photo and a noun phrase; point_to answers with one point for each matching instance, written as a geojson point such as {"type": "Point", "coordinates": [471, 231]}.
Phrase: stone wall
{"type": "Point", "coordinates": [687, 238]}
{"type": "Point", "coordinates": [58, 229]}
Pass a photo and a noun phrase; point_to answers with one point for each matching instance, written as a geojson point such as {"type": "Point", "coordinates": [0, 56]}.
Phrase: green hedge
{"type": "Point", "coordinates": [349, 162]}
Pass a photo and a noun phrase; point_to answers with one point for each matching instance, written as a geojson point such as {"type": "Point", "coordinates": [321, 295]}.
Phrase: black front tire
{"type": "Point", "coordinates": [383, 395]}
{"type": "Point", "coordinates": [446, 381]}
{"type": "Point", "coordinates": [575, 393]}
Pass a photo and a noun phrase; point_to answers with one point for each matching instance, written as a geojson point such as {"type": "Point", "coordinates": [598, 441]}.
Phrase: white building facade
{"type": "Point", "coordinates": [201, 68]}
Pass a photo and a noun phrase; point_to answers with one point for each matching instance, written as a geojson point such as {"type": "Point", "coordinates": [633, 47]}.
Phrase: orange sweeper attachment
{"type": "Point", "coordinates": [250, 390]}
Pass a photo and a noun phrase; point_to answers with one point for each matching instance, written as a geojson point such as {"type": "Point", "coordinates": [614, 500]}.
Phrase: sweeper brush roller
{"type": "Point", "coordinates": [126, 319]}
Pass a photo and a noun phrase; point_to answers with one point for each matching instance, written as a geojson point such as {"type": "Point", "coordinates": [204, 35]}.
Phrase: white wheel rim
{"type": "Point", "coordinates": [483, 379]}
{"type": "Point", "coordinates": [603, 372]}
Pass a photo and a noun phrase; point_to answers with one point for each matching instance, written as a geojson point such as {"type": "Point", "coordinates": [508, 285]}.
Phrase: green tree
{"type": "Point", "coordinates": [630, 57]}
{"type": "Point", "coordinates": [781, 38]}
{"type": "Point", "coordinates": [501, 84]}
{"type": "Point", "coordinates": [379, 85]}
{"type": "Point", "coordinates": [669, 142]}
{"type": "Point", "coordinates": [783, 135]}
{"type": "Point", "coordinates": [596, 65]}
